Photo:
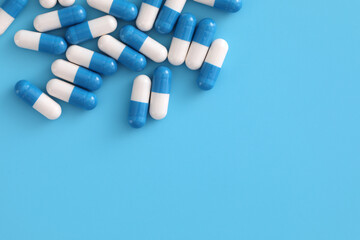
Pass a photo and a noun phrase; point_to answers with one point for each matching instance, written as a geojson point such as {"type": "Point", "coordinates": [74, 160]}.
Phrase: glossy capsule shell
{"type": "Point", "coordinates": [226, 5]}
{"type": "Point", "coordinates": [48, 3]}
{"type": "Point", "coordinates": [122, 9]}
{"type": "Point", "coordinates": [160, 93]}
{"type": "Point", "coordinates": [41, 42]}
{"type": "Point", "coordinates": [38, 100]}
{"type": "Point", "coordinates": [91, 29]}
{"type": "Point", "coordinates": [77, 75]}
{"type": "Point", "coordinates": [147, 15]}
{"type": "Point", "coordinates": [139, 103]}
{"type": "Point", "coordinates": [181, 40]}
{"type": "Point", "coordinates": [66, 3]}
{"type": "Point", "coordinates": [60, 18]}
{"type": "Point", "coordinates": [143, 43]}
{"type": "Point", "coordinates": [204, 35]}
{"type": "Point", "coordinates": [168, 15]}
{"type": "Point", "coordinates": [122, 53]}
{"type": "Point", "coordinates": [91, 60]}
{"type": "Point", "coordinates": [9, 11]}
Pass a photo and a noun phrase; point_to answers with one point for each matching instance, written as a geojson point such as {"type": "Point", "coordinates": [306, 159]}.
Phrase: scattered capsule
{"type": "Point", "coordinates": [199, 47]}
{"type": "Point", "coordinates": [75, 74]}
{"type": "Point", "coordinates": [183, 35]}
{"type": "Point", "coordinates": [9, 11]}
{"type": "Point", "coordinates": [226, 5]}
{"type": "Point", "coordinates": [143, 43]}
{"type": "Point", "coordinates": [40, 42]}
{"type": "Point", "coordinates": [160, 93]}
{"type": "Point", "coordinates": [168, 15]}
{"type": "Point", "coordinates": [60, 18]}
{"type": "Point", "coordinates": [122, 9]}
{"type": "Point", "coordinates": [91, 29]}
{"type": "Point", "coordinates": [48, 3]}
{"type": "Point", "coordinates": [71, 94]}
{"type": "Point", "coordinates": [139, 103]}
{"type": "Point", "coordinates": [38, 100]}
{"type": "Point", "coordinates": [147, 15]}
{"type": "Point", "coordinates": [66, 3]}
{"type": "Point", "coordinates": [91, 60]}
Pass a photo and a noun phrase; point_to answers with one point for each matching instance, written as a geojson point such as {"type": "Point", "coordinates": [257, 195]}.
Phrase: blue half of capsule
{"type": "Point", "coordinates": [185, 27]}
{"type": "Point", "coordinates": [88, 79]}
{"type": "Point", "coordinates": [228, 5]}
{"type": "Point", "coordinates": [205, 32]}
{"type": "Point", "coordinates": [71, 15]}
{"type": "Point", "coordinates": [166, 20]}
{"type": "Point", "coordinates": [124, 10]}
{"type": "Point", "coordinates": [161, 80]}
{"type": "Point", "coordinates": [28, 92]}
{"type": "Point", "coordinates": [155, 3]}
{"type": "Point", "coordinates": [138, 113]}
{"type": "Point", "coordinates": [208, 76]}
{"type": "Point", "coordinates": [52, 44]}
{"type": "Point", "coordinates": [83, 99]}
{"type": "Point", "coordinates": [78, 33]}
{"type": "Point", "coordinates": [103, 64]}
{"type": "Point", "coordinates": [14, 7]}
{"type": "Point", "coordinates": [132, 59]}
{"type": "Point", "coordinates": [132, 37]}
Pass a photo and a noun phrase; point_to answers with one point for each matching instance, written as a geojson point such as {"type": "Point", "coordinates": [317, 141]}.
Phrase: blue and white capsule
{"type": "Point", "coordinates": [168, 15]}
{"type": "Point", "coordinates": [143, 43]}
{"type": "Point", "coordinates": [160, 93]}
{"type": "Point", "coordinates": [122, 9]}
{"type": "Point", "coordinates": [139, 103]}
{"type": "Point", "coordinates": [41, 42]}
{"type": "Point", "coordinates": [147, 15]}
{"type": "Point", "coordinates": [66, 3]}
{"type": "Point", "coordinates": [71, 94]}
{"type": "Point", "coordinates": [38, 100]}
{"type": "Point", "coordinates": [60, 18]}
{"type": "Point", "coordinates": [9, 11]}
{"type": "Point", "coordinates": [77, 75]}
{"type": "Point", "coordinates": [91, 60]}
{"type": "Point", "coordinates": [181, 40]}
{"type": "Point", "coordinates": [91, 29]}
{"type": "Point", "coordinates": [226, 5]}
{"type": "Point", "coordinates": [204, 35]}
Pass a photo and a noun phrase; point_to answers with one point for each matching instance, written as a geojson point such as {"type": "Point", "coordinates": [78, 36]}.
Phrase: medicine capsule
{"type": "Point", "coordinates": [181, 40]}
{"type": "Point", "coordinates": [199, 47]}
{"type": "Point", "coordinates": [147, 15]}
{"type": "Point", "coordinates": [48, 3]}
{"type": "Point", "coordinates": [143, 43]}
{"type": "Point", "coordinates": [61, 18]}
{"type": "Point", "coordinates": [38, 100]}
{"type": "Point", "coordinates": [66, 3]}
{"type": "Point", "coordinates": [139, 103]}
{"type": "Point", "coordinates": [122, 9]}
{"type": "Point", "coordinates": [91, 60]}
{"type": "Point", "coordinates": [75, 74]}
{"type": "Point", "coordinates": [91, 29]}
{"type": "Point", "coordinates": [71, 94]}
{"type": "Point", "coordinates": [40, 42]}
{"type": "Point", "coordinates": [226, 5]}
{"type": "Point", "coordinates": [168, 15]}
{"type": "Point", "coordinates": [9, 11]}
{"type": "Point", "coordinates": [160, 93]}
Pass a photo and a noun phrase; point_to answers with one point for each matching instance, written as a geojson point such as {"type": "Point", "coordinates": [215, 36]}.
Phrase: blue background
{"type": "Point", "coordinates": [272, 152]}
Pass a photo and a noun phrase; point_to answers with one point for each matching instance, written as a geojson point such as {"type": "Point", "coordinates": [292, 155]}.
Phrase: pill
{"type": "Point", "coordinates": [139, 103]}
{"type": "Point", "coordinates": [181, 40]}
{"type": "Point", "coordinates": [38, 100]}
{"type": "Point", "coordinates": [168, 15]}
{"type": "Point", "coordinates": [91, 60]}
{"type": "Point", "coordinates": [66, 3]}
{"type": "Point", "coordinates": [122, 53]}
{"type": "Point", "coordinates": [227, 5]}
{"type": "Point", "coordinates": [9, 11]}
{"type": "Point", "coordinates": [160, 93]}
{"type": "Point", "coordinates": [71, 94]}
{"type": "Point", "coordinates": [61, 18]}
{"type": "Point", "coordinates": [122, 9]}
{"type": "Point", "coordinates": [91, 29]}
{"type": "Point", "coordinates": [143, 43]}
{"type": "Point", "coordinates": [199, 47]}
{"type": "Point", "coordinates": [75, 74]}
{"type": "Point", "coordinates": [147, 15]}
{"type": "Point", "coordinates": [41, 42]}
{"type": "Point", "coordinates": [48, 3]}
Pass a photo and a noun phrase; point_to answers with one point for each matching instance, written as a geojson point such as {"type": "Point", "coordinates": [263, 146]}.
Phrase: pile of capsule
{"type": "Point", "coordinates": [82, 73]}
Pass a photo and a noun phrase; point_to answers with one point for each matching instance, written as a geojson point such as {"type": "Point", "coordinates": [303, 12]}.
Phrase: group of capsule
{"type": "Point", "coordinates": [191, 43]}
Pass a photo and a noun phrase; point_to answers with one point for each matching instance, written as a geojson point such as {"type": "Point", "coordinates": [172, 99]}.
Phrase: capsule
{"type": "Point", "coordinates": [48, 3]}
{"type": "Point", "coordinates": [147, 15]}
{"type": "Point", "coordinates": [160, 93]}
{"type": "Point", "coordinates": [139, 103]}
{"type": "Point", "coordinates": [38, 100]}
{"type": "Point", "coordinates": [143, 43]}
{"type": "Point", "coordinates": [122, 9]}
{"type": "Point", "coordinates": [226, 5]}
{"type": "Point", "coordinates": [181, 40]}
{"type": "Point", "coordinates": [66, 3]}
{"type": "Point", "coordinates": [199, 47]}
{"type": "Point", "coordinates": [91, 29]}
{"type": "Point", "coordinates": [71, 94]}
{"type": "Point", "coordinates": [41, 42]}
{"type": "Point", "coordinates": [77, 75]}
{"type": "Point", "coordinates": [9, 11]}
{"type": "Point", "coordinates": [61, 18]}
{"type": "Point", "coordinates": [168, 15]}
{"type": "Point", "coordinates": [91, 60]}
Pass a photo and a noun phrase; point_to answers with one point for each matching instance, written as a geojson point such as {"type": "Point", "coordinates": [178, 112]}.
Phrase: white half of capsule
{"type": "Point", "coordinates": [60, 89]}
{"type": "Point", "coordinates": [47, 107]}
{"type": "Point", "coordinates": [66, 3]}
{"type": "Point", "coordinates": [159, 104]}
{"type": "Point", "coordinates": [48, 3]}
{"type": "Point", "coordinates": [101, 5]}
{"type": "Point", "coordinates": [64, 70]}
{"type": "Point", "coordinates": [210, 3]}
{"type": "Point", "coordinates": [79, 55]}
{"type": "Point", "coordinates": [178, 51]}
{"type": "Point", "coordinates": [146, 17]}
{"type": "Point", "coordinates": [141, 89]}
{"type": "Point", "coordinates": [5, 21]}
{"type": "Point", "coordinates": [176, 5]}
{"type": "Point", "coordinates": [102, 25]}
{"type": "Point", "coordinates": [196, 55]}
{"type": "Point", "coordinates": [154, 50]}
{"type": "Point", "coordinates": [111, 46]}
{"type": "Point", "coordinates": [47, 21]}
{"type": "Point", "coordinates": [217, 53]}
{"type": "Point", "coordinates": [27, 39]}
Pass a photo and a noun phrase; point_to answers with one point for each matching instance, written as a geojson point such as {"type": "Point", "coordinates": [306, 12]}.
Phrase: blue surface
{"type": "Point", "coordinates": [272, 152]}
